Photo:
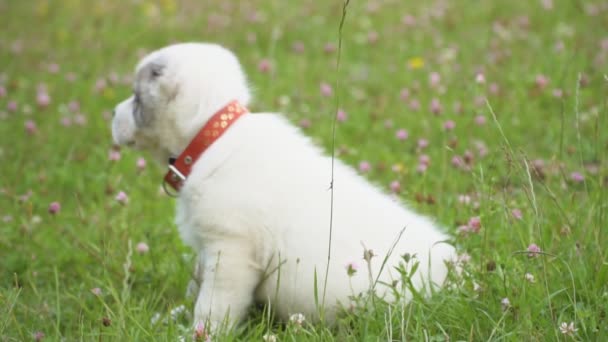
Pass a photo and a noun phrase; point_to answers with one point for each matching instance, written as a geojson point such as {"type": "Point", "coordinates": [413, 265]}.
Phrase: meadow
{"type": "Point", "coordinates": [489, 116]}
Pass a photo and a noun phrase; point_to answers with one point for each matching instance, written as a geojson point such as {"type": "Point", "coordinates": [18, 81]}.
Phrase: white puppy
{"type": "Point", "coordinates": [256, 205]}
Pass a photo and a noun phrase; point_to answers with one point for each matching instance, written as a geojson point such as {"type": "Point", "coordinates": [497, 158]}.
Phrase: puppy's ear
{"type": "Point", "coordinates": [157, 69]}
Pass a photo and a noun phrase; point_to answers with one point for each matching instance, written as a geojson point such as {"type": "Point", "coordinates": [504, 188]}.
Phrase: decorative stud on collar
{"type": "Point", "coordinates": [180, 167]}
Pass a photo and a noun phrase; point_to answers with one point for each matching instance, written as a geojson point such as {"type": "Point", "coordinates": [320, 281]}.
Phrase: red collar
{"type": "Point", "coordinates": [180, 167]}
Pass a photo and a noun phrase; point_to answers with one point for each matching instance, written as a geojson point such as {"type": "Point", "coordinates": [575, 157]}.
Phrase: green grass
{"type": "Point", "coordinates": [50, 263]}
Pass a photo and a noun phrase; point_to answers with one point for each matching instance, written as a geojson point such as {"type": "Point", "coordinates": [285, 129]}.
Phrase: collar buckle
{"type": "Point", "coordinates": [180, 167]}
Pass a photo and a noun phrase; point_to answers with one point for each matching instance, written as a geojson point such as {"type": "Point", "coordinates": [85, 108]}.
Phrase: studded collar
{"type": "Point", "coordinates": [180, 167]}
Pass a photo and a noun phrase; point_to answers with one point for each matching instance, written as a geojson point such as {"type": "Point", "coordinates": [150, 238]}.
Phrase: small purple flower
{"type": "Point", "coordinates": [474, 224]}
{"type": "Point", "coordinates": [449, 125]}
{"type": "Point", "coordinates": [114, 155]}
{"type": "Point", "coordinates": [43, 99]}
{"type": "Point", "coordinates": [421, 168]}
{"type": "Point", "coordinates": [533, 251]}
{"type": "Point", "coordinates": [395, 186]}
{"type": "Point", "coordinates": [100, 85]}
{"type": "Point", "coordinates": [517, 214]}
{"type": "Point", "coordinates": [74, 106]}
{"type": "Point", "coordinates": [592, 9]}
{"type": "Point", "coordinates": [200, 334]}
{"type": "Point", "coordinates": [547, 4]}
{"type": "Point", "coordinates": [329, 48]}
{"type": "Point", "coordinates": [53, 68]}
{"type": "Point", "coordinates": [364, 166]}
{"type": "Point", "coordinates": [404, 94]}
{"type": "Point", "coordinates": [122, 198]}
{"type": "Point", "coordinates": [54, 208]}
{"type": "Point", "coordinates": [70, 77]}
{"type": "Point", "coordinates": [494, 88]}
{"type": "Point", "coordinates": [142, 248]}
{"type": "Point", "coordinates": [326, 89]}
{"type": "Point", "coordinates": [436, 107]}
{"type": "Point", "coordinates": [401, 134]}
{"type": "Point", "coordinates": [457, 161]}
{"type": "Point", "coordinates": [480, 78]}
{"type": "Point", "coordinates": [434, 79]}
{"type": "Point", "coordinates": [66, 121]}
{"type": "Point", "coordinates": [372, 37]}
{"type": "Point", "coordinates": [30, 127]}
{"type": "Point", "coordinates": [577, 177]}
{"type": "Point", "coordinates": [12, 106]}
{"type": "Point", "coordinates": [17, 47]}
{"type": "Point", "coordinates": [113, 77]}
{"type": "Point", "coordinates": [480, 120]}
{"type": "Point", "coordinates": [264, 66]}
{"type": "Point", "coordinates": [604, 44]}
{"type": "Point", "coordinates": [96, 291]}
{"type": "Point", "coordinates": [422, 143]}
{"type": "Point", "coordinates": [141, 163]}
{"type": "Point", "coordinates": [38, 336]}
{"type": "Point", "coordinates": [341, 115]}
{"type": "Point", "coordinates": [424, 159]}
{"type": "Point", "coordinates": [298, 47]}
{"type": "Point", "coordinates": [408, 20]}
{"type": "Point", "coordinates": [80, 120]}
{"type": "Point", "coordinates": [558, 93]}
{"type": "Point", "coordinates": [482, 150]}
{"type": "Point", "coordinates": [468, 157]}
{"type": "Point", "coordinates": [541, 81]}
{"type": "Point", "coordinates": [538, 164]}
{"type": "Point", "coordinates": [414, 105]}
{"type": "Point", "coordinates": [305, 123]}
{"type": "Point", "coordinates": [2, 91]}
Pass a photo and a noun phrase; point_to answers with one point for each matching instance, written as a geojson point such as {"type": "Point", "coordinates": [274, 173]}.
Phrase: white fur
{"type": "Point", "coordinates": [256, 206]}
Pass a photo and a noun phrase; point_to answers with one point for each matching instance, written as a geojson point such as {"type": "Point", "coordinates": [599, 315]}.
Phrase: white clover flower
{"type": "Point", "coordinates": [530, 277]}
{"type": "Point", "coordinates": [155, 318]}
{"type": "Point", "coordinates": [506, 303]}
{"type": "Point", "coordinates": [567, 329]}
{"type": "Point", "coordinates": [269, 338]}
{"type": "Point", "coordinates": [297, 319]}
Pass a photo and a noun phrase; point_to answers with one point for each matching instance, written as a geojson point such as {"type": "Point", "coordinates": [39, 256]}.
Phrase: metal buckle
{"type": "Point", "coordinates": [174, 195]}
{"type": "Point", "coordinates": [177, 173]}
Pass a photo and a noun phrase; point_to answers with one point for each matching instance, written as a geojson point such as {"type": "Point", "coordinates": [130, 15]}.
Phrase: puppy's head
{"type": "Point", "coordinates": [176, 90]}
